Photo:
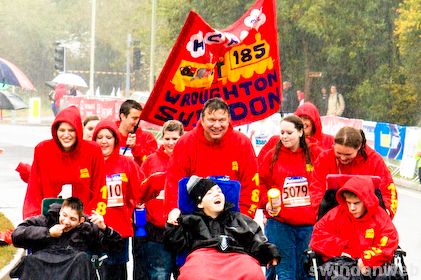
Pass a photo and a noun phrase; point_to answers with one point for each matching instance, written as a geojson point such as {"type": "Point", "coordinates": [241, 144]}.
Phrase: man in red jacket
{"type": "Point", "coordinates": [214, 148]}
{"type": "Point", "coordinates": [135, 141]}
{"type": "Point", "coordinates": [359, 228]}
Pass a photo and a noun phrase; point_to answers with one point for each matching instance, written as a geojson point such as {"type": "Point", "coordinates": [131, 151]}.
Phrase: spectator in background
{"type": "Point", "coordinates": [136, 142]}
{"type": "Point", "coordinates": [59, 92]}
{"type": "Point", "coordinates": [336, 103]}
{"type": "Point", "coordinates": [66, 163]}
{"type": "Point", "coordinates": [322, 104]}
{"type": "Point", "coordinates": [151, 256]}
{"type": "Point", "coordinates": [300, 96]}
{"type": "Point", "coordinates": [289, 99]}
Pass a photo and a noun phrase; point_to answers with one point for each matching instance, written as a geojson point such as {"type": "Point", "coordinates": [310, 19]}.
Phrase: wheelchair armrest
{"type": "Point", "coordinates": [98, 260]}
{"type": "Point", "coordinates": [311, 264]}
{"type": "Point", "coordinates": [399, 252]}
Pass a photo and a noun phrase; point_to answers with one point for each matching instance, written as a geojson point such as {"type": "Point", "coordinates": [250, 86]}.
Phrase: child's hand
{"type": "Point", "coordinates": [173, 216]}
{"type": "Point", "coordinates": [97, 219]}
{"type": "Point", "coordinates": [56, 230]}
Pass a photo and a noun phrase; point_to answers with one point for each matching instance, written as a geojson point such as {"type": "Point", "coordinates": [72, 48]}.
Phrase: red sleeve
{"type": "Point", "coordinates": [24, 170]}
{"type": "Point", "coordinates": [134, 184]}
{"type": "Point", "coordinates": [98, 201]}
{"type": "Point", "coordinates": [322, 167]}
{"type": "Point", "coordinates": [325, 240]}
{"type": "Point", "coordinates": [33, 197]}
{"type": "Point", "coordinates": [265, 178]}
{"type": "Point", "coordinates": [145, 146]}
{"type": "Point", "coordinates": [387, 186]}
{"type": "Point", "coordinates": [175, 172]}
{"type": "Point", "coordinates": [384, 245]}
{"type": "Point", "coordinates": [249, 179]}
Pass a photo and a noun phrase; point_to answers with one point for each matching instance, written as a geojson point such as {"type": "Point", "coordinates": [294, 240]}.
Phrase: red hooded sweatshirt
{"type": "Point", "coordinates": [123, 185]}
{"type": "Point", "coordinates": [155, 170]}
{"type": "Point", "coordinates": [374, 166]}
{"type": "Point", "coordinates": [325, 141]}
{"type": "Point", "coordinates": [145, 144]}
{"type": "Point", "coordinates": [233, 156]}
{"type": "Point", "coordinates": [372, 237]}
{"type": "Point", "coordinates": [296, 203]}
{"type": "Point", "coordinates": [82, 167]}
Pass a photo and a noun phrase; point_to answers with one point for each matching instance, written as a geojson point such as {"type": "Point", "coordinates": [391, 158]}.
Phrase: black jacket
{"type": "Point", "coordinates": [229, 232]}
{"type": "Point", "coordinates": [33, 233]}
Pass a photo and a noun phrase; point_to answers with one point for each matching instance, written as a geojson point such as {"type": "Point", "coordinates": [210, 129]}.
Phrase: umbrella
{"type": "Point", "coordinates": [10, 74]}
{"type": "Point", "coordinates": [70, 79]}
{"type": "Point", "coordinates": [11, 101]}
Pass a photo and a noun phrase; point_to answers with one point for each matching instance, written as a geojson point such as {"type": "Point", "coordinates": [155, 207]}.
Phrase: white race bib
{"type": "Point", "coordinates": [295, 192]}
{"type": "Point", "coordinates": [115, 191]}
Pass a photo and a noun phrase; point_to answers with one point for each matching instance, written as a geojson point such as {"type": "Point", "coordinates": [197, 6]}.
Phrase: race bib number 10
{"type": "Point", "coordinates": [115, 191]}
{"type": "Point", "coordinates": [295, 192]}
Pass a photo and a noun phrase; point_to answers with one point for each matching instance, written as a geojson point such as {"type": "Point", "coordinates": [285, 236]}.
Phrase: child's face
{"type": "Point", "coordinates": [69, 218]}
{"type": "Point", "coordinates": [355, 206]}
{"type": "Point", "coordinates": [213, 202]}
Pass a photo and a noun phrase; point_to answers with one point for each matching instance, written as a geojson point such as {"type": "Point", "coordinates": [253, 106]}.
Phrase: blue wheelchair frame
{"type": "Point", "coordinates": [230, 189]}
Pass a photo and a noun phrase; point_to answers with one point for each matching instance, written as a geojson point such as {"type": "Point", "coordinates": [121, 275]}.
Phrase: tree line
{"type": "Point", "coordinates": [371, 50]}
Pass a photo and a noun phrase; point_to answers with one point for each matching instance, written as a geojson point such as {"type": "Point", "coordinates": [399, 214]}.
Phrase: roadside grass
{"type": "Point", "coordinates": [6, 252]}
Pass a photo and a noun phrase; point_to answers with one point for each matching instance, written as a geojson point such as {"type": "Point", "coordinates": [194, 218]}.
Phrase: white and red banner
{"type": "Point", "coordinates": [240, 64]}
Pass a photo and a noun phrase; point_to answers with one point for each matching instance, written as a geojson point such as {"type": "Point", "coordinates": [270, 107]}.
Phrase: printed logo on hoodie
{"type": "Point", "coordinates": [84, 173]}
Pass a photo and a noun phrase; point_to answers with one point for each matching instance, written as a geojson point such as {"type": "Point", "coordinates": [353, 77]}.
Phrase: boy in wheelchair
{"type": "Point", "coordinates": [222, 244]}
{"type": "Point", "coordinates": [356, 239]}
{"type": "Point", "coordinates": [61, 242]}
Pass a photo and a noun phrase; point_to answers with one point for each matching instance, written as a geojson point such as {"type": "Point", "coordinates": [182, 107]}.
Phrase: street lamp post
{"type": "Point", "coordinates": [92, 55]}
{"type": "Point", "coordinates": [151, 58]}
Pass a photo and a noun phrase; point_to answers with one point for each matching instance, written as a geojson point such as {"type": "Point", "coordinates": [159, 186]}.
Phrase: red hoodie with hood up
{"type": "Point", "coordinates": [325, 141]}
{"type": "Point", "coordinates": [82, 167]}
{"type": "Point", "coordinates": [372, 237]}
{"type": "Point", "coordinates": [123, 184]}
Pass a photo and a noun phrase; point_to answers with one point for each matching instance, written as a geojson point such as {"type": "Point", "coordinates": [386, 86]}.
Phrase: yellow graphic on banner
{"type": "Point", "coordinates": [194, 75]}
{"type": "Point", "coordinates": [245, 60]}
{"type": "Point", "coordinates": [240, 61]}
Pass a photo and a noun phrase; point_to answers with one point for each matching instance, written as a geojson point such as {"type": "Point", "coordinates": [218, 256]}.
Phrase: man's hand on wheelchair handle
{"type": "Point", "coordinates": [273, 262]}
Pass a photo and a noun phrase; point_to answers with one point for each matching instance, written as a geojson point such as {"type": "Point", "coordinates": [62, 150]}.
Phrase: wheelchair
{"type": "Point", "coordinates": [230, 188]}
{"type": "Point", "coordinates": [95, 259]}
{"type": "Point", "coordinates": [334, 183]}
